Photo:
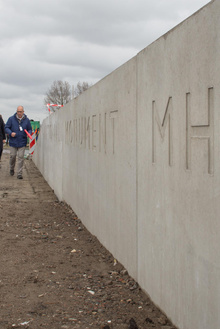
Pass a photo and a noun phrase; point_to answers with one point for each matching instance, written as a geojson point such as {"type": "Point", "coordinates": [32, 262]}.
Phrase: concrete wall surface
{"type": "Point", "coordinates": [137, 158]}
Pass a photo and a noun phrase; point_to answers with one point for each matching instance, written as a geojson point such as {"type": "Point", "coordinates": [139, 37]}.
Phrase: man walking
{"type": "Point", "coordinates": [15, 128]}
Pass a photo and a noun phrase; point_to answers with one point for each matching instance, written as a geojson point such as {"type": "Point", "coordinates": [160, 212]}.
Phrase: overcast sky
{"type": "Point", "coordinates": [74, 40]}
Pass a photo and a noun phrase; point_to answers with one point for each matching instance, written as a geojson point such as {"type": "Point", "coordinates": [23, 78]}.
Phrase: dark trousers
{"type": "Point", "coordinates": [1, 147]}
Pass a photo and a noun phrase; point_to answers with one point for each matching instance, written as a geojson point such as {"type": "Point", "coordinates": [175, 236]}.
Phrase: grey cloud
{"type": "Point", "coordinates": [43, 41]}
{"type": "Point", "coordinates": [101, 22]}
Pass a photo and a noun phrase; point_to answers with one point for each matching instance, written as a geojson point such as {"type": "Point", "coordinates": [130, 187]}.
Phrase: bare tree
{"type": "Point", "coordinates": [80, 88]}
{"type": "Point", "coordinates": [59, 93]}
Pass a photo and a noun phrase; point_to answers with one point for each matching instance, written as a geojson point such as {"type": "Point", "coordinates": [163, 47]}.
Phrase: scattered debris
{"type": "Point", "coordinates": [132, 324]}
{"type": "Point", "coordinates": [60, 276]}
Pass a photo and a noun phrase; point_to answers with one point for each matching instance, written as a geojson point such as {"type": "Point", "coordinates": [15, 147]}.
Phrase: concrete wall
{"type": "Point", "coordinates": [137, 158]}
{"type": "Point", "coordinates": [93, 166]}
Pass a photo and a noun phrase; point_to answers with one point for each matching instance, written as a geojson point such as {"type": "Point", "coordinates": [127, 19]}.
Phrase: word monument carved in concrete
{"type": "Point", "coordinates": [137, 158]}
{"type": "Point", "coordinates": [95, 132]}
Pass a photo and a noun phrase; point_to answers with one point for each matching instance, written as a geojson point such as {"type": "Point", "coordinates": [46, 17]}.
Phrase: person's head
{"type": "Point", "coordinates": [20, 111]}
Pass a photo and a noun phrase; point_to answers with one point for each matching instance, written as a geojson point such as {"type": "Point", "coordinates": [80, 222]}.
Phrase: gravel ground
{"type": "Point", "coordinates": [54, 273]}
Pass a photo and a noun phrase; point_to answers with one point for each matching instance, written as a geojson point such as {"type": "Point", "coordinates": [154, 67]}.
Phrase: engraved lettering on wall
{"type": "Point", "coordinates": [88, 132]}
{"type": "Point", "coordinates": [96, 132]}
{"type": "Point", "coordinates": [204, 131]}
{"type": "Point", "coordinates": [113, 116]}
{"type": "Point", "coordinates": [167, 121]}
{"type": "Point", "coordinates": [81, 131]}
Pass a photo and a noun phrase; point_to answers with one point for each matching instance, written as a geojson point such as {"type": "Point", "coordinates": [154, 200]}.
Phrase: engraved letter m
{"type": "Point", "coordinates": [167, 119]}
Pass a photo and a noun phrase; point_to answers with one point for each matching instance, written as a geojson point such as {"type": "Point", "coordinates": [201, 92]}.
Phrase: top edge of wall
{"type": "Point", "coordinates": [162, 36]}
{"type": "Point", "coordinates": [165, 35]}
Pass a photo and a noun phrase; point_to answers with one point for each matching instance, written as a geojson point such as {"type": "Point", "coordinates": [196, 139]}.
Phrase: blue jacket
{"type": "Point", "coordinates": [12, 125]}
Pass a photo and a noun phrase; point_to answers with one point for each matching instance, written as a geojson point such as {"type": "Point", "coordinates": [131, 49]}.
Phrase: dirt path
{"type": "Point", "coordinates": [54, 273]}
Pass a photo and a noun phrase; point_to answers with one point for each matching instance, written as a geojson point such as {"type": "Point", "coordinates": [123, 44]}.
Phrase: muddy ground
{"type": "Point", "coordinates": [53, 273]}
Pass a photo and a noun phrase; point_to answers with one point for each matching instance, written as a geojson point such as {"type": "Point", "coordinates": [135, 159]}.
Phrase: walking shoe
{"type": "Point", "coordinates": [12, 172]}
{"type": "Point", "coordinates": [19, 177]}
